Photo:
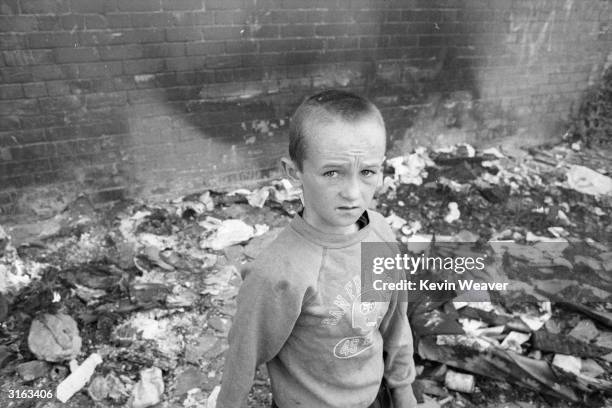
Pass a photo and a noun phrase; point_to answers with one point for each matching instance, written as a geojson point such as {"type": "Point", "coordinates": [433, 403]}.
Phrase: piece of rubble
{"type": "Point", "coordinates": [98, 388]}
{"type": "Point", "coordinates": [211, 402]}
{"type": "Point", "coordinates": [460, 382]}
{"type": "Point", "coordinates": [411, 169]}
{"type": "Point", "coordinates": [207, 200]}
{"type": "Point", "coordinates": [54, 338]}
{"type": "Point", "coordinates": [32, 370]}
{"type": "Point", "coordinates": [190, 377]}
{"type": "Point", "coordinates": [604, 340]}
{"type": "Point", "coordinates": [514, 340]}
{"type": "Point", "coordinates": [587, 181]}
{"type": "Point", "coordinates": [585, 331]}
{"type": "Point", "coordinates": [453, 213]}
{"type": "Point", "coordinates": [570, 364]}
{"type": "Point", "coordinates": [395, 222]}
{"type": "Point", "coordinates": [230, 232]}
{"type": "Point", "coordinates": [561, 344]}
{"type": "Point", "coordinates": [148, 391]}
{"type": "Point", "coordinates": [258, 197]}
{"type": "Point", "coordinates": [590, 368]}
{"type": "Point", "coordinates": [78, 378]}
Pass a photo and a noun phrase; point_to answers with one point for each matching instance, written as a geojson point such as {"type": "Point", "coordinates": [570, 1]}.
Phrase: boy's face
{"type": "Point", "coordinates": [340, 173]}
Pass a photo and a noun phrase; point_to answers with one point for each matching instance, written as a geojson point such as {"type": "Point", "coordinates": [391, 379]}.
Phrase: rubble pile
{"type": "Point", "coordinates": [131, 306]}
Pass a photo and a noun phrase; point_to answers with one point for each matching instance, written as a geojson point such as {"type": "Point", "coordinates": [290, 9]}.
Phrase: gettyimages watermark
{"type": "Point", "coordinates": [477, 272]}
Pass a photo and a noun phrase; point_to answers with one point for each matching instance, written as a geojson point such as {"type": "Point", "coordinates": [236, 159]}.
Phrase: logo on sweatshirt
{"type": "Point", "coordinates": [364, 318]}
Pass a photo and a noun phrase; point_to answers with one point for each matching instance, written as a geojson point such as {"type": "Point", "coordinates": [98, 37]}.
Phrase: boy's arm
{"type": "Point", "coordinates": [266, 314]}
{"type": "Point", "coordinates": [399, 361]}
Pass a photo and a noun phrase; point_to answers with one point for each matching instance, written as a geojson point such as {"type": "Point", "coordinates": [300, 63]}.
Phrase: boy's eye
{"type": "Point", "coordinates": [331, 173]}
{"type": "Point", "coordinates": [368, 172]}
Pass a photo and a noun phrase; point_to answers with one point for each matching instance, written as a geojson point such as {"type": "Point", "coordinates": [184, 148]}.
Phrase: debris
{"type": "Point", "coordinates": [587, 181]}
{"type": "Point", "coordinates": [211, 402]}
{"type": "Point", "coordinates": [590, 368]}
{"type": "Point", "coordinates": [98, 388]}
{"type": "Point", "coordinates": [568, 363]}
{"type": "Point", "coordinates": [188, 378]}
{"type": "Point", "coordinates": [514, 340]}
{"type": "Point", "coordinates": [78, 378]}
{"type": "Point", "coordinates": [584, 331]}
{"type": "Point", "coordinates": [230, 232]}
{"type": "Point", "coordinates": [459, 382]}
{"type": "Point", "coordinates": [54, 338]}
{"type": "Point", "coordinates": [561, 344]}
{"type": "Point", "coordinates": [395, 222]}
{"type": "Point", "coordinates": [411, 169]}
{"type": "Point", "coordinates": [32, 370]}
{"type": "Point", "coordinates": [453, 213]}
{"type": "Point", "coordinates": [258, 197]}
{"type": "Point", "coordinates": [148, 391]}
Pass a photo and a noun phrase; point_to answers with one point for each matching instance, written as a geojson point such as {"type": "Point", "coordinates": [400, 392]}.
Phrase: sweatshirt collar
{"type": "Point", "coordinates": [299, 225]}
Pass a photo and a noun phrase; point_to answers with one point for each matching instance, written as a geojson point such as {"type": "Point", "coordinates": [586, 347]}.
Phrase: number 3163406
{"type": "Point", "coordinates": [29, 394]}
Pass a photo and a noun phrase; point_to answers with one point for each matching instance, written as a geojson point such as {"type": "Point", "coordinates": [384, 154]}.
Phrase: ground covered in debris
{"type": "Point", "coordinates": [133, 304]}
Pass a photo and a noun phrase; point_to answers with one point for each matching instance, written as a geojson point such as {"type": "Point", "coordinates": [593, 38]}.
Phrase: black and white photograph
{"type": "Point", "coordinates": [306, 203]}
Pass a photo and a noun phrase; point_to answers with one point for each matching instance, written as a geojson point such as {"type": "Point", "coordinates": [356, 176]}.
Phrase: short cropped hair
{"type": "Point", "coordinates": [323, 107]}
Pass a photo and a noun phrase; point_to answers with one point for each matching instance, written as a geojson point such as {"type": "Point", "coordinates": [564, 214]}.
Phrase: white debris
{"type": "Point", "coordinates": [258, 197]}
{"type": "Point", "coordinates": [459, 382]}
{"type": "Point", "coordinates": [211, 402]}
{"type": "Point", "coordinates": [78, 378]}
{"type": "Point", "coordinates": [453, 213]}
{"type": "Point", "coordinates": [230, 232]}
{"type": "Point", "coordinates": [207, 200]}
{"type": "Point", "coordinates": [148, 391]}
{"type": "Point", "coordinates": [587, 181]}
{"type": "Point", "coordinates": [514, 340]}
{"type": "Point", "coordinates": [395, 222]}
{"type": "Point", "coordinates": [411, 169]}
{"type": "Point", "coordinates": [570, 364]}
{"type": "Point", "coordinates": [494, 151]}
{"type": "Point", "coordinates": [54, 337]}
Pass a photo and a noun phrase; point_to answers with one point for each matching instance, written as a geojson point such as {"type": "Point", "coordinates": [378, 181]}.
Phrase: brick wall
{"type": "Point", "coordinates": [119, 98]}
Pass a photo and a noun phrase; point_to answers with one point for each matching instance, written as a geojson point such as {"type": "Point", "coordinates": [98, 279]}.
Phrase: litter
{"type": "Point", "coordinates": [229, 233]}
{"type": "Point", "coordinates": [148, 390]}
{"type": "Point", "coordinates": [459, 382]}
{"type": "Point", "coordinates": [78, 378]}
{"type": "Point", "coordinates": [587, 181]}
{"type": "Point", "coordinates": [453, 213]}
{"type": "Point", "coordinates": [54, 338]}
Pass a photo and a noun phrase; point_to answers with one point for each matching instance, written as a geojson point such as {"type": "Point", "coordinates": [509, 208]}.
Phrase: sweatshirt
{"type": "Point", "coordinates": [299, 311]}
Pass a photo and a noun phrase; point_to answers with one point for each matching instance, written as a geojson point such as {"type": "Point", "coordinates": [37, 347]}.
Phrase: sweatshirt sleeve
{"type": "Point", "coordinates": [267, 311]}
{"type": "Point", "coordinates": [397, 344]}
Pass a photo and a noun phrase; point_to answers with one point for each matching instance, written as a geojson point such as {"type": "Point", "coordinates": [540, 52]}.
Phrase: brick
{"type": "Point", "coordinates": [9, 7]}
{"type": "Point", "coordinates": [49, 23]}
{"type": "Point", "coordinates": [9, 123]}
{"type": "Point", "coordinates": [78, 54]}
{"type": "Point", "coordinates": [96, 21]}
{"type": "Point", "coordinates": [57, 88]}
{"type": "Point", "coordinates": [173, 5]}
{"type": "Point", "coordinates": [299, 58]}
{"type": "Point", "coordinates": [106, 99]}
{"type": "Point", "coordinates": [12, 74]}
{"type": "Point", "coordinates": [297, 30]}
{"type": "Point", "coordinates": [342, 42]}
{"type": "Point", "coordinates": [45, 6]}
{"type": "Point", "coordinates": [240, 47]}
{"type": "Point", "coordinates": [403, 41]}
{"type": "Point", "coordinates": [290, 45]}
{"type": "Point", "coordinates": [158, 19]}
{"type": "Point", "coordinates": [223, 61]}
{"type": "Point", "coordinates": [93, 6]}
{"type": "Point", "coordinates": [288, 16]}
{"type": "Point", "coordinates": [230, 17]}
{"type": "Point", "coordinates": [164, 50]}
{"type": "Point", "coordinates": [332, 30]}
{"type": "Point", "coordinates": [73, 22]}
{"type": "Point", "coordinates": [27, 57]}
{"type": "Point", "coordinates": [144, 66]}
{"type": "Point", "coordinates": [118, 20]}
{"type": "Point", "coordinates": [121, 52]}
{"type": "Point", "coordinates": [99, 69]}
{"type": "Point", "coordinates": [18, 23]}
{"type": "Point", "coordinates": [29, 136]}
{"type": "Point", "coordinates": [139, 5]}
{"type": "Point", "coordinates": [393, 28]}
{"type": "Point", "coordinates": [434, 40]}
{"type": "Point", "coordinates": [205, 48]}
{"type": "Point", "coordinates": [222, 33]}
{"type": "Point", "coordinates": [61, 103]}
{"type": "Point", "coordinates": [248, 74]}
{"type": "Point", "coordinates": [265, 31]}
{"type": "Point", "coordinates": [201, 18]}
{"type": "Point", "coordinates": [32, 152]}
{"type": "Point", "coordinates": [182, 34]}
{"type": "Point", "coordinates": [55, 134]}
{"type": "Point", "coordinates": [52, 40]}
{"type": "Point", "coordinates": [184, 64]}
{"type": "Point", "coordinates": [224, 4]}
{"type": "Point", "coordinates": [19, 107]}
{"type": "Point", "coordinates": [12, 41]}
{"type": "Point", "coordinates": [12, 91]}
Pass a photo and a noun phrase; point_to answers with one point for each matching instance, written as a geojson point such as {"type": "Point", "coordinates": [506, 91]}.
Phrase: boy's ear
{"type": "Point", "coordinates": [291, 171]}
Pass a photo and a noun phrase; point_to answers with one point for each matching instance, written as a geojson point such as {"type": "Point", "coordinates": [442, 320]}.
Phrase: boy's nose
{"type": "Point", "coordinates": [351, 189]}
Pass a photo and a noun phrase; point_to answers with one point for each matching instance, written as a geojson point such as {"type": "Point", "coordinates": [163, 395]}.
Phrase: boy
{"type": "Point", "coordinates": [299, 307]}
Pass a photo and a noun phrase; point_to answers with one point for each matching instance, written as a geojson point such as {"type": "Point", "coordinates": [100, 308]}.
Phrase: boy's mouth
{"type": "Point", "coordinates": [348, 208]}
